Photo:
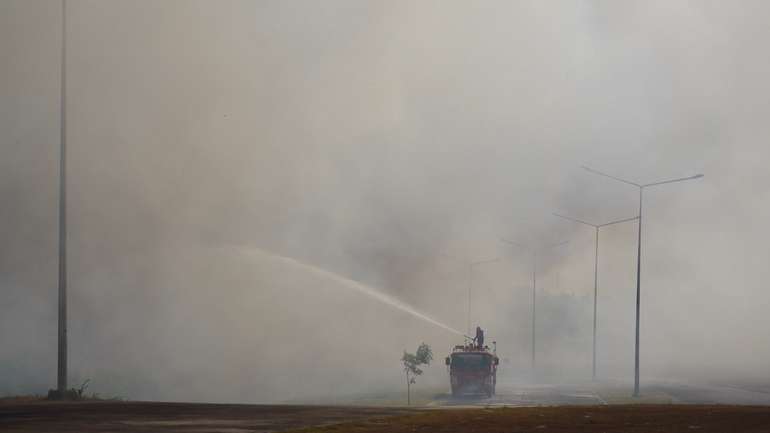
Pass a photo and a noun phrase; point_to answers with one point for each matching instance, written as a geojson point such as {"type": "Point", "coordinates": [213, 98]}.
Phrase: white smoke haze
{"type": "Point", "coordinates": [376, 141]}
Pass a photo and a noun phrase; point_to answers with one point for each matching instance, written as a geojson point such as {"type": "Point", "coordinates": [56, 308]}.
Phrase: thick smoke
{"type": "Point", "coordinates": [388, 142]}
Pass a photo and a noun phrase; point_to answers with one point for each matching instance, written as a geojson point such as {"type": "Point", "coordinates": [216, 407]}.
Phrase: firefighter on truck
{"type": "Point", "coordinates": [473, 367]}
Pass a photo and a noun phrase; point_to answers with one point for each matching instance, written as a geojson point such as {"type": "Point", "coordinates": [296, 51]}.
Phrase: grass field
{"type": "Point", "coordinates": [148, 417]}
{"type": "Point", "coordinates": [568, 419]}
{"type": "Point", "coordinates": [419, 397]}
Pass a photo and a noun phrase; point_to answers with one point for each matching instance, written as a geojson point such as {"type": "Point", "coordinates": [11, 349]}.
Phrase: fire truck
{"type": "Point", "coordinates": [473, 368]}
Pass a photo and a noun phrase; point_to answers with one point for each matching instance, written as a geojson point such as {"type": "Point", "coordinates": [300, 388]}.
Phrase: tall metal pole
{"type": "Point", "coordinates": [62, 347]}
{"type": "Point", "coordinates": [638, 294]}
{"type": "Point", "coordinates": [596, 272]}
{"type": "Point", "coordinates": [534, 304]}
{"type": "Point", "coordinates": [534, 287]}
{"type": "Point", "coordinates": [596, 290]}
{"type": "Point", "coordinates": [639, 257]}
{"type": "Point", "coordinates": [471, 264]}
{"type": "Point", "coordinates": [470, 288]}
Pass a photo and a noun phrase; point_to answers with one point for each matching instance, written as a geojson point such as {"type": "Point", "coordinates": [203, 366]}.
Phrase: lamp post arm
{"type": "Point", "coordinates": [610, 176]}
{"type": "Point", "coordinates": [482, 262]}
{"type": "Point", "coordinates": [557, 244]}
{"type": "Point", "coordinates": [574, 220]}
{"type": "Point", "coordinates": [681, 179]}
{"type": "Point", "coordinates": [618, 221]}
{"type": "Point", "coordinates": [518, 244]}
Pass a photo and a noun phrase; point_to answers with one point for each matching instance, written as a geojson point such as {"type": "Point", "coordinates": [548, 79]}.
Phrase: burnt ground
{"type": "Point", "coordinates": [570, 419]}
{"type": "Point", "coordinates": [87, 417]}
{"type": "Point", "coordinates": [189, 417]}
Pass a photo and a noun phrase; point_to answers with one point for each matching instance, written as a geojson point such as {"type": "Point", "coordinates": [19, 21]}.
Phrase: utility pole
{"type": "Point", "coordinates": [62, 346]}
{"type": "Point", "coordinates": [534, 252]}
{"type": "Point", "coordinates": [639, 257]}
{"type": "Point", "coordinates": [596, 273]}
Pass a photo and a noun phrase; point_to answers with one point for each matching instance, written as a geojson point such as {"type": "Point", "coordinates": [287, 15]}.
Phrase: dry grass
{"type": "Point", "coordinates": [21, 399]}
{"type": "Point", "coordinates": [37, 416]}
{"type": "Point", "coordinates": [632, 419]}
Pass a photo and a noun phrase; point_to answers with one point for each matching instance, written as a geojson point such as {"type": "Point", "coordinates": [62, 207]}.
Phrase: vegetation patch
{"type": "Point", "coordinates": [564, 419]}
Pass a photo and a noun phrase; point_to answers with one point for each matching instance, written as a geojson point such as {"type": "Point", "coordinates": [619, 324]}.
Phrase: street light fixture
{"type": "Point", "coordinates": [596, 272]}
{"type": "Point", "coordinates": [639, 255]}
{"type": "Point", "coordinates": [471, 264]}
{"type": "Point", "coordinates": [534, 253]}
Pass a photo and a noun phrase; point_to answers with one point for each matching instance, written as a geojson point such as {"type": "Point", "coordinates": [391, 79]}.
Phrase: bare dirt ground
{"type": "Point", "coordinates": [89, 417]}
{"type": "Point", "coordinates": [570, 419]}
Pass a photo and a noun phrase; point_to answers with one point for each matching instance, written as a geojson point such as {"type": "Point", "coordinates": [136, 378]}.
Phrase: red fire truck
{"type": "Point", "coordinates": [473, 369]}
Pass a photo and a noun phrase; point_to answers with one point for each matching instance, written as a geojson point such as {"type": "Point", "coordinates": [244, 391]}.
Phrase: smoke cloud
{"type": "Point", "coordinates": [388, 143]}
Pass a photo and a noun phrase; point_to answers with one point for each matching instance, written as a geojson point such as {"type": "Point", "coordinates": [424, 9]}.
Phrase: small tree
{"type": "Point", "coordinates": [412, 363]}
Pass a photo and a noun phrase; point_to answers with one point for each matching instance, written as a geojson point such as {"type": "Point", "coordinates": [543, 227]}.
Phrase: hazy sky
{"type": "Point", "coordinates": [376, 139]}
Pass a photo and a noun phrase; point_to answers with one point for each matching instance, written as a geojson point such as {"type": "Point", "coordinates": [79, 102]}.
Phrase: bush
{"type": "Point", "coordinates": [74, 394]}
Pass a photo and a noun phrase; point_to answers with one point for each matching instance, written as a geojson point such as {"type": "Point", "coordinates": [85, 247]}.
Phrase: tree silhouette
{"type": "Point", "coordinates": [412, 363]}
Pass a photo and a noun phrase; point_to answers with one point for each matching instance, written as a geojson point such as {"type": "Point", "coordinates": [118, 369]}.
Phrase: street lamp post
{"type": "Point", "coordinates": [596, 272]}
{"type": "Point", "coordinates": [534, 253]}
{"type": "Point", "coordinates": [471, 265]}
{"type": "Point", "coordinates": [639, 256]}
{"type": "Point", "coordinates": [61, 383]}
{"type": "Point", "coordinates": [470, 284]}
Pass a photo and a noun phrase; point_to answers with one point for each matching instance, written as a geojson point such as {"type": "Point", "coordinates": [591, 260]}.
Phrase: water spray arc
{"type": "Point", "coordinates": [353, 285]}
